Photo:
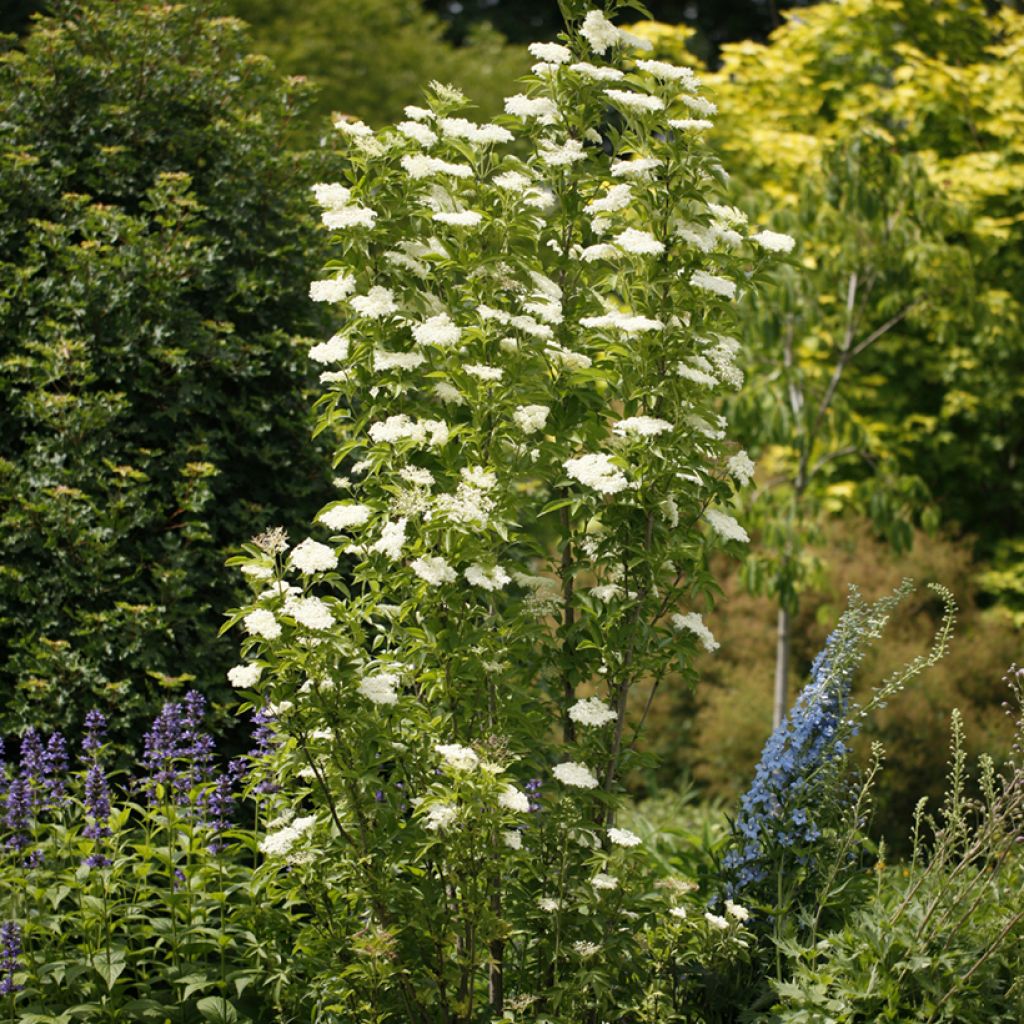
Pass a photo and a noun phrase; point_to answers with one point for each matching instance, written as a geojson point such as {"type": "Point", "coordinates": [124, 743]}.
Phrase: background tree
{"type": "Point", "coordinates": [369, 59]}
{"type": "Point", "coordinates": [154, 241]}
{"type": "Point", "coordinates": [886, 133]}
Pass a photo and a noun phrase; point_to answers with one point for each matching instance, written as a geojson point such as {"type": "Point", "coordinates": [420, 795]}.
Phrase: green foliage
{"type": "Point", "coordinates": [939, 940]}
{"type": "Point", "coordinates": [717, 733]}
{"type": "Point", "coordinates": [182, 920]}
{"type": "Point", "coordinates": [154, 236]}
{"type": "Point", "coordinates": [932, 223]}
{"type": "Point", "coordinates": [369, 59]}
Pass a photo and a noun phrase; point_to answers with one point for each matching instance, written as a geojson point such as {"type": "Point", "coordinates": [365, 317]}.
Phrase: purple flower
{"type": "Point", "coordinates": [10, 950]}
{"type": "Point", "coordinates": [18, 814]}
{"type": "Point", "coordinates": [177, 754]}
{"type": "Point", "coordinates": [266, 742]}
{"type": "Point", "coordinates": [219, 800]}
{"type": "Point", "coordinates": [95, 730]}
{"type": "Point", "coordinates": [44, 768]}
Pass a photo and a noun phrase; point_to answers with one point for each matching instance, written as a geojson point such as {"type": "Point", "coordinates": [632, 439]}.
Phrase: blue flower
{"type": "Point", "coordinates": [784, 804]}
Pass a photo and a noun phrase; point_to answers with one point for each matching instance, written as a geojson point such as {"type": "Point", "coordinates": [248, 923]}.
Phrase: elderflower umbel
{"type": "Point", "coordinates": [599, 32]}
{"type": "Point", "coordinates": [623, 837]}
{"type": "Point", "coordinates": [433, 569]}
{"type": "Point", "coordinates": [597, 471]}
{"type": "Point", "coordinates": [774, 241]}
{"type": "Point", "coordinates": [523, 106]}
{"type": "Point", "coordinates": [597, 74]}
{"type": "Point", "coordinates": [437, 330]}
{"type": "Point", "coordinates": [639, 102]}
{"type": "Point", "coordinates": [513, 799]}
{"type": "Point", "coordinates": [552, 53]}
{"type": "Point", "coordinates": [664, 72]}
{"type": "Point", "coordinates": [262, 623]}
{"type": "Point", "coordinates": [419, 165]}
{"type": "Point", "coordinates": [332, 289]}
{"type": "Point", "coordinates": [488, 579]}
{"type": "Point", "coordinates": [310, 612]}
{"type": "Point", "coordinates": [417, 132]}
{"type": "Point", "coordinates": [569, 152]}
{"type": "Point", "coordinates": [642, 243]}
{"type": "Point", "coordinates": [694, 623]}
{"type": "Point", "coordinates": [392, 540]}
{"type": "Point", "coordinates": [715, 921]}
{"type": "Point", "coordinates": [725, 526]}
{"type": "Point", "coordinates": [333, 351]}
{"type": "Point", "coordinates": [457, 756]}
{"type": "Point", "coordinates": [376, 304]}
{"type": "Point", "coordinates": [245, 677]}
{"type": "Point", "coordinates": [735, 910]}
{"type": "Point", "coordinates": [592, 711]}
{"type": "Point", "coordinates": [690, 124]}
{"type": "Point", "coordinates": [601, 881]}
{"type": "Point", "coordinates": [311, 556]}
{"type": "Point", "coordinates": [384, 361]}
{"type": "Point", "coordinates": [380, 688]}
{"type": "Point", "coordinates": [531, 418]}
{"type": "Point", "coordinates": [713, 283]}
{"type": "Point", "coordinates": [641, 426]}
{"type": "Point", "coordinates": [572, 773]}
{"type": "Point", "coordinates": [741, 468]}
{"type": "Point", "coordinates": [440, 816]}
{"type": "Point", "coordinates": [278, 843]}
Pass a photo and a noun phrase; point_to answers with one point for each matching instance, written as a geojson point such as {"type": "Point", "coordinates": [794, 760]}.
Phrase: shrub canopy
{"type": "Point", "coordinates": [151, 233]}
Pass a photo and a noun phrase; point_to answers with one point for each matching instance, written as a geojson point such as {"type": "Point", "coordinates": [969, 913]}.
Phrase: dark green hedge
{"type": "Point", "coordinates": [156, 242]}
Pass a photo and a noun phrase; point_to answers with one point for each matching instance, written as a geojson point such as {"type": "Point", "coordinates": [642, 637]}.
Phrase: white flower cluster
{"type": "Point", "coordinates": [456, 756]}
{"type": "Point", "coordinates": [437, 330]}
{"type": "Point", "coordinates": [623, 837]}
{"type": "Point", "coordinates": [713, 283]}
{"type": "Point", "coordinates": [598, 472]}
{"type": "Point", "coordinates": [725, 526]}
{"type": "Point", "coordinates": [531, 418]}
{"type": "Point", "coordinates": [741, 468]}
{"type": "Point", "coordinates": [694, 623]}
{"type": "Point", "coordinates": [513, 799]}
{"type": "Point", "coordinates": [572, 773]}
{"type": "Point", "coordinates": [641, 426]}
{"type": "Point", "coordinates": [400, 428]}
{"type": "Point", "coordinates": [245, 677]}
{"type": "Point", "coordinates": [420, 165]}
{"type": "Point", "coordinates": [332, 289]}
{"type": "Point", "coordinates": [493, 578]}
{"type": "Point", "coordinates": [433, 569]}
{"type": "Point", "coordinates": [392, 539]}
{"type": "Point", "coordinates": [280, 842]}
{"type": "Point", "coordinates": [333, 351]}
{"type": "Point", "coordinates": [310, 612]}
{"type": "Point", "coordinates": [262, 622]}
{"type": "Point", "coordinates": [774, 241]}
{"type": "Point", "coordinates": [380, 688]}
{"type": "Point", "coordinates": [376, 304]}
{"type": "Point", "coordinates": [440, 816]}
{"type": "Point", "coordinates": [311, 556]}
{"type": "Point", "coordinates": [592, 711]}
{"type": "Point", "coordinates": [339, 212]}
{"type": "Point", "coordinates": [601, 34]}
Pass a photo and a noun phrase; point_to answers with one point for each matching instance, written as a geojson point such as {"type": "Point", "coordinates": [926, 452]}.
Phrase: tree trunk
{"type": "Point", "coordinates": [781, 667]}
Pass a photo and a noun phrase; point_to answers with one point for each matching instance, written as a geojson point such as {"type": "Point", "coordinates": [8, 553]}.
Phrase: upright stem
{"type": "Point", "coordinates": [782, 649]}
{"type": "Point", "coordinates": [568, 621]}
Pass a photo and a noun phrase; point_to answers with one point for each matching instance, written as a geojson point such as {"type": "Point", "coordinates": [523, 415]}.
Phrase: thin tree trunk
{"type": "Point", "coordinates": [782, 644]}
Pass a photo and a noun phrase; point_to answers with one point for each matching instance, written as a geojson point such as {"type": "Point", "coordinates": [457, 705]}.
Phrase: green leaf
{"type": "Point", "coordinates": [218, 1010]}
{"type": "Point", "coordinates": [110, 968]}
